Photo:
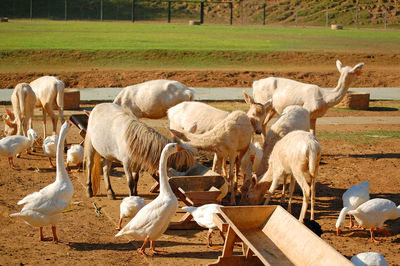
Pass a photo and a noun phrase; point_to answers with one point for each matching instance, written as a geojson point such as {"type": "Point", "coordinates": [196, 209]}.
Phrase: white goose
{"type": "Point", "coordinates": [50, 147]}
{"type": "Point", "coordinates": [75, 156]}
{"type": "Point", "coordinates": [373, 213]}
{"type": "Point", "coordinates": [203, 216]}
{"type": "Point", "coordinates": [352, 198]}
{"type": "Point", "coordinates": [12, 145]}
{"type": "Point", "coordinates": [369, 259]}
{"type": "Point", "coordinates": [129, 207]}
{"type": "Point", "coordinates": [153, 219]}
{"type": "Point", "coordinates": [44, 207]}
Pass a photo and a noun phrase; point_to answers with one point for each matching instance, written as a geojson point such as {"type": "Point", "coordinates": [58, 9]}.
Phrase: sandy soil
{"type": "Point", "coordinates": [87, 238]}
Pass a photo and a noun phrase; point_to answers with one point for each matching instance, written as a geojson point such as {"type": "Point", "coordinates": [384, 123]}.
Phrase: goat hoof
{"type": "Point", "coordinates": [111, 195]}
{"type": "Point", "coordinates": [89, 193]}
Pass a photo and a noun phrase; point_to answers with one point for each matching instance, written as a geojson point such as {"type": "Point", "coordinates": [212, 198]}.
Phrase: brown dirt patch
{"type": "Point", "coordinates": [89, 238]}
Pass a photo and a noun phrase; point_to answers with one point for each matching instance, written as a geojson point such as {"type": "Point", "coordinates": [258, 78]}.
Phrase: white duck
{"type": "Point", "coordinates": [153, 219]}
{"type": "Point", "coordinates": [369, 259]}
{"type": "Point", "coordinates": [352, 198]}
{"type": "Point", "coordinates": [373, 213]}
{"type": "Point", "coordinates": [45, 207]}
{"type": "Point", "coordinates": [50, 147]}
{"type": "Point", "coordinates": [203, 216]}
{"type": "Point", "coordinates": [129, 207]}
{"type": "Point", "coordinates": [12, 145]}
{"type": "Point", "coordinates": [75, 156]}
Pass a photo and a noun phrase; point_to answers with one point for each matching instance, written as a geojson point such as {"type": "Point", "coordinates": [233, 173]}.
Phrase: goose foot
{"type": "Point", "coordinates": [154, 251]}
{"type": "Point", "coordinates": [119, 225]}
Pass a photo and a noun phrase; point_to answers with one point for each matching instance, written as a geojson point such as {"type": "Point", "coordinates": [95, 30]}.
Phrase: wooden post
{"type": "Point", "coordinates": [264, 10]}
{"type": "Point", "coordinates": [327, 18]}
{"type": "Point", "coordinates": [101, 10]}
{"type": "Point", "coordinates": [201, 12]}
{"type": "Point", "coordinates": [133, 11]}
{"type": "Point", "coordinates": [231, 8]}
{"type": "Point", "coordinates": [385, 17]}
{"type": "Point", "coordinates": [169, 11]}
{"type": "Point", "coordinates": [30, 10]}
{"type": "Point", "coordinates": [357, 16]}
{"type": "Point", "coordinates": [65, 10]}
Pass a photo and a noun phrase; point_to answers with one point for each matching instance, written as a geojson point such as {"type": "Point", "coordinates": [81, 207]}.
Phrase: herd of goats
{"type": "Point", "coordinates": [115, 133]}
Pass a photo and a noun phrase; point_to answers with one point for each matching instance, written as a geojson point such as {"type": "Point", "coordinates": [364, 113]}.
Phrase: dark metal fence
{"type": "Point", "coordinates": [243, 12]}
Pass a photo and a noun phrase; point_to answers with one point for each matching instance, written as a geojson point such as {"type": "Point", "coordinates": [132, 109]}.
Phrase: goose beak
{"type": "Point", "coordinates": [358, 72]}
{"type": "Point", "coordinates": [338, 231]}
{"type": "Point", "coordinates": [37, 141]}
{"type": "Point", "coordinates": [180, 148]}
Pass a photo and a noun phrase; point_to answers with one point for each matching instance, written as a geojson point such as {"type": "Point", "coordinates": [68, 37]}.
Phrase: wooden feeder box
{"type": "Point", "coordinates": [271, 236]}
{"type": "Point", "coordinates": [355, 100]}
{"type": "Point", "coordinates": [72, 98]}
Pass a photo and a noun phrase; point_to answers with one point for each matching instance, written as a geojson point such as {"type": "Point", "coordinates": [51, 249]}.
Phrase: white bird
{"type": "Point", "coordinates": [373, 213]}
{"type": "Point", "coordinates": [153, 219]}
{"type": "Point", "coordinates": [45, 207]}
{"type": "Point", "coordinates": [129, 207]}
{"type": "Point", "coordinates": [12, 145]}
{"type": "Point", "coordinates": [203, 216]}
{"type": "Point", "coordinates": [75, 156]}
{"type": "Point", "coordinates": [50, 147]}
{"type": "Point", "coordinates": [352, 198]}
{"type": "Point", "coordinates": [369, 259]}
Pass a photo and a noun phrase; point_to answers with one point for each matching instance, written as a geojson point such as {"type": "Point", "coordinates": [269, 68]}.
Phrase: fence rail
{"type": "Point", "coordinates": [239, 12]}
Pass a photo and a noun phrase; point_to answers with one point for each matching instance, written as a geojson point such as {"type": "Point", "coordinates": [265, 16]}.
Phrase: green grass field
{"type": "Point", "coordinates": [124, 44]}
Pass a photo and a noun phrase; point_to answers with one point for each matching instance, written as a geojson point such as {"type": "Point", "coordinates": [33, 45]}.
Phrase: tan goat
{"type": "Point", "coordinates": [316, 100]}
{"type": "Point", "coordinates": [23, 101]}
{"type": "Point", "coordinates": [49, 93]}
{"type": "Point", "coordinates": [228, 139]}
{"type": "Point", "coordinates": [297, 155]}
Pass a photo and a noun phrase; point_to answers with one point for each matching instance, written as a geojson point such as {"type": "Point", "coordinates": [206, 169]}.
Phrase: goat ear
{"type": "Point", "coordinates": [9, 113]}
{"type": "Point", "coordinates": [357, 69]}
{"type": "Point", "coordinates": [339, 65]}
{"type": "Point", "coordinates": [7, 122]}
{"type": "Point", "coordinates": [176, 133]}
{"type": "Point", "coordinates": [193, 128]}
{"type": "Point", "coordinates": [247, 98]}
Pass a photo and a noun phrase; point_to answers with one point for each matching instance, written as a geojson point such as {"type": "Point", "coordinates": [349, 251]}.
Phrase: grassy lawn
{"type": "Point", "coordinates": [80, 44]}
{"type": "Point", "coordinates": [78, 35]}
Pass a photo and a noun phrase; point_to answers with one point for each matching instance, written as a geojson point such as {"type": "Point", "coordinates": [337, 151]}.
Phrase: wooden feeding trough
{"type": "Point", "coordinates": [200, 186]}
{"type": "Point", "coordinates": [357, 100]}
{"type": "Point", "coordinates": [271, 236]}
{"type": "Point", "coordinates": [81, 122]}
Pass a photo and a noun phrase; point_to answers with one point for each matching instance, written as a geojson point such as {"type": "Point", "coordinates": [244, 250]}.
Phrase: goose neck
{"type": "Point", "coordinates": [342, 216]}
{"type": "Point", "coordinates": [164, 185]}
{"type": "Point", "coordinates": [61, 171]}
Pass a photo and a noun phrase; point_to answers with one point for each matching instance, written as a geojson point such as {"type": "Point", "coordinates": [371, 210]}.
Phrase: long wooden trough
{"type": "Point", "coordinates": [271, 236]}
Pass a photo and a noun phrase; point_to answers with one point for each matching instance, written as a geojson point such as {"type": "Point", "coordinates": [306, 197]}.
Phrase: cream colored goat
{"type": "Point", "coordinates": [186, 115]}
{"type": "Point", "coordinates": [49, 93]}
{"type": "Point", "coordinates": [316, 100]}
{"type": "Point", "coordinates": [297, 155]}
{"type": "Point", "coordinates": [23, 102]}
{"type": "Point", "coordinates": [152, 99]}
{"type": "Point", "coordinates": [294, 117]}
{"type": "Point", "coordinates": [197, 117]}
{"type": "Point", "coordinates": [228, 139]}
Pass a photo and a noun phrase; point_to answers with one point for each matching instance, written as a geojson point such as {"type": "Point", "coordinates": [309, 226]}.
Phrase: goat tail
{"type": "Point", "coordinates": [96, 172]}
{"type": "Point", "coordinates": [95, 165]}
{"type": "Point", "coordinates": [314, 156]}
{"type": "Point", "coordinates": [60, 94]}
{"type": "Point", "coordinates": [21, 101]}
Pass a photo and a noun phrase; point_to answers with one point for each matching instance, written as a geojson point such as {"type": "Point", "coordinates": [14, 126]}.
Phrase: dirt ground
{"type": "Point", "coordinates": [89, 239]}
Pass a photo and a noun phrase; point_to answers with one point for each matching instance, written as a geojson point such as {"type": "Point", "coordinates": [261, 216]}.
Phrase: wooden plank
{"type": "Point", "coordinates": [220, 222]}
{"type": "Point", "coordinates": [237, 261]}
{"type": "Point", "coordinates": [229, 243]}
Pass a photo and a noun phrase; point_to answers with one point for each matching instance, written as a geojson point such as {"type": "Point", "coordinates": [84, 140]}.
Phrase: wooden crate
{"type": "Point", "coordinates": [72, 98]}
{"type": "Point", "coordinates": [355, 100]}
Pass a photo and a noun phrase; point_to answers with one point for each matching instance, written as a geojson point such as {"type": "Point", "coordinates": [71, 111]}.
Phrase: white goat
{"type": "Point", "coordinates": [228, 139]}
{"type": "Point", "coordinates": [49, 93]}
{"type": "Point", "coordinates": [23, 101]}
{"type": "Point", "coordinates": [197, 117]}
{"type": "Point", "coordinates": [297, 154]}
{"type": "Point", "coordinates": [294, 117]}
{"type": "Point", "coordinates": [152, 99]}
{"type": "Point", "coordinates": [316, 100]}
